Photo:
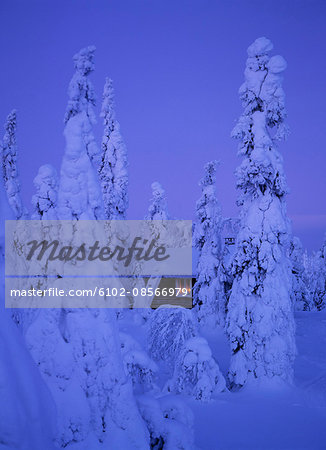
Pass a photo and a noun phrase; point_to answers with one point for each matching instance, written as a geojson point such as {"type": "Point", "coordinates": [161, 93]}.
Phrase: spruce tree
{"type": "Point", "coordinates": [318, 278]}
{"type": "Point", "coordinates": [260, 321]}
{"type": "Point", "coordinates": [113, 167]}
{"type": "Point", "coordinates": [9, 167]}
{"type": "Point", "coordinates": [158, 208]}
{"type": "Point", "coordinates": [300, 284]}
{"type": "Point", "coordinates": [94, 398]}
{"type": "Point", "coordinates": [208, 291]}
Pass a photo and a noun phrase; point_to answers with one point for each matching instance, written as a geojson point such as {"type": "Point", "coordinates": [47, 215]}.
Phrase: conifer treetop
{"type": "Point", "coordinates": [113, 166]}
{"type": "Point", "coordinates": [81, 92]}
{"type": "Point", "coordinates": [158, 208]}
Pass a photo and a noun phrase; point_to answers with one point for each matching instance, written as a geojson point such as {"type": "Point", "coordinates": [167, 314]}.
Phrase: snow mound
{"type": "Point", "coordinates": [260, 46]}
{"type": "Point", "coordinates": [197, 373]}
{"type": "Point", "coordinates": [277, 64]}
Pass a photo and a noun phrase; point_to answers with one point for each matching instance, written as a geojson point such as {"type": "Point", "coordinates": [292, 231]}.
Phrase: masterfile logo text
{"type": "Point", "coordinates": [60, 263]}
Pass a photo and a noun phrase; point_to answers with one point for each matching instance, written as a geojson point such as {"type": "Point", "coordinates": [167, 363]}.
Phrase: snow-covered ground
{"type": "Point", "coordinates": [271, 418]}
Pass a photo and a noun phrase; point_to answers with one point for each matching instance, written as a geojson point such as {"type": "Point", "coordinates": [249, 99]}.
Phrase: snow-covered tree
{"type": "Point", "coordinates": [27, 418]}
{"type": "Point", "coordinates": [169, 329]}
{"type": "Point", "coordinates": [114, 163]}
{"type": "Point", "coordinates": [141, 369]}
{"type": "Point", "coordinates": [317, 275]}
{"type": "Point", "coordinates": [80, 360]}
{"type": "Point", "coordinates": [196, 372]}
{"type": "Point", "coordinates": [260, 321]}
{"type": "Point", "coordinates": [169, 421]}
{"type": "Point", "coordinates": [208, 291]}
{"type": "Point", "coordinates": [78, 350]}
{"type": "Point", "coordinates": [80, 194]}
{"type": "Point", "coordinates": [9, 167]}
{"type": "Point", "coordinates": [81, 91]}
{"type": "Point", "coordinates": [45, 200]}
{"type": "Point", "coordinates": [300, 283]}
{"type": "Point", "coordinates": [158, 208]}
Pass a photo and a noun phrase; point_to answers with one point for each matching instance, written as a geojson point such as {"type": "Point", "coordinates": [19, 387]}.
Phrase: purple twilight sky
{"type": "Point", "coordinates": [176, 66]}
